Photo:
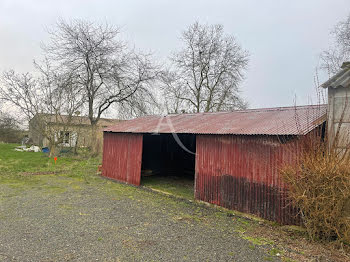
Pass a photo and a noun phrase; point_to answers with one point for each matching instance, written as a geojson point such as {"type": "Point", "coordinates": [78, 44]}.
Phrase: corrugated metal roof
{"type": "Point", "coordinates": [297, 120]}
{"type": "Point", "coordinates": [341, 79]}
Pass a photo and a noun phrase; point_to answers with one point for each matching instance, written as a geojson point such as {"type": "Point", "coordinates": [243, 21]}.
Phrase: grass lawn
{"type": "Point", "coordinates": [178, 186]}
{"type": "Point", "coordinates": [43, 203]}
{"type": "Point", "coordinates": [21, 169]}
{"type": "Point", "coordinates": [15, 162]}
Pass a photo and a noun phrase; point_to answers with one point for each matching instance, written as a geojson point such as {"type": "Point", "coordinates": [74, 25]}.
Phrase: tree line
{"type": "Point", "coordinates": [89, 70]}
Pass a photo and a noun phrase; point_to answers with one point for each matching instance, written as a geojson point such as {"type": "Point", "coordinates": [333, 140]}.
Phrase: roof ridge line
{"type": "Point", "coordinates": [248, 110]}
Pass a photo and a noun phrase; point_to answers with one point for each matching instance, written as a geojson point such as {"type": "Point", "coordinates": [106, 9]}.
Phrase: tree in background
{"type": "Point", "coordinates": [10, 131]}
{"type": "Point", "coordinates": [49, 98]}
{"type": "Point", "coordinates": [206, 72]}
{"type": "Point", "coordinates": [108, 72]}
{"type": "Point", "coordinates": [339, 52]}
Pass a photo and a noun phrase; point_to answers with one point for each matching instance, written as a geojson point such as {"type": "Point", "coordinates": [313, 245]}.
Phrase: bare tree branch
{"type": "Point", "coordinates": [107, 70]}
{"type": "Point", "coordinates": [206, 72]}
{"type": "Point", "coordinates": [339, 51]}
{"type": "Point", "coordinates": [48, 101]}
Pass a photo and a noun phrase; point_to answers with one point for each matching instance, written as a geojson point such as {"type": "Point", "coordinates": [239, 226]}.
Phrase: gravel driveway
{"type": "Point", "coordinates": [62, 218]}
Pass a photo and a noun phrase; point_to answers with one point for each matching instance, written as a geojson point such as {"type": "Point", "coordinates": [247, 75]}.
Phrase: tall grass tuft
{"type": "Point", "coordinates": [320, 187]}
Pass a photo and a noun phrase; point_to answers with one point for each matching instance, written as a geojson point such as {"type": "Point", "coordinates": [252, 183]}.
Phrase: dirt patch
{"type": "Point", "coordinates": [293, 243]}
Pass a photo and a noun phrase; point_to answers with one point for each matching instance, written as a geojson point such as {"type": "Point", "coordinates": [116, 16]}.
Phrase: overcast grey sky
{"type": "Point", "coordinates": [284, 38]}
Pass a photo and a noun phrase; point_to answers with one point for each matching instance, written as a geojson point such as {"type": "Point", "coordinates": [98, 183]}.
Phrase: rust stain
{"type": "Point", "coordinates": [122, 155]}
{"type": "Point", "coordinates": [242, 173]}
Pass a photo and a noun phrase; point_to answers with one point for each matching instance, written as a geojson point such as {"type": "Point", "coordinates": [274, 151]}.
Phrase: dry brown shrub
{"type": "Point", "coordinates": [320, 187]}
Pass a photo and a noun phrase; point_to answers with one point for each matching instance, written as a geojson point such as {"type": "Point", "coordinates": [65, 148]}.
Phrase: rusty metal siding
{"type": "Point", "coordinates": [122, 155]}
{"type": "Point", "coordinates": [242, 173]}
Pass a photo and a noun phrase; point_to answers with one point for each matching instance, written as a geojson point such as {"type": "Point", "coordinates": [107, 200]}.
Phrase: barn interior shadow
{"type": "Point", "coordinates": [168, 163]}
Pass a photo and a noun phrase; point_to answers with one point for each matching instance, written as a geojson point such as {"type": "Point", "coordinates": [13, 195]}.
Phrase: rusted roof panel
{"type": "Point", "coordinates": [297, 120]}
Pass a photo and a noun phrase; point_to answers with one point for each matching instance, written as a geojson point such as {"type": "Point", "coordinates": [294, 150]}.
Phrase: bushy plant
{"type": "Point", "coordinates": [320, 187]}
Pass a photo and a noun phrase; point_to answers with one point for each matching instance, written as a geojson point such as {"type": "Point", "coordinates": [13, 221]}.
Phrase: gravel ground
{"type": "Point", "coordinates": [61, 218]}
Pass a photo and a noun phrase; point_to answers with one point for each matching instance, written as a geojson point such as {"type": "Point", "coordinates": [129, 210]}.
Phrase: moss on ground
{"type": "Point", "coordinates": [177, 186]}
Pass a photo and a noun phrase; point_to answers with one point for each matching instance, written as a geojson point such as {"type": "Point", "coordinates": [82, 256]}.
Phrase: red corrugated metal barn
{"type": "Point", "coordinates": [235, 157]}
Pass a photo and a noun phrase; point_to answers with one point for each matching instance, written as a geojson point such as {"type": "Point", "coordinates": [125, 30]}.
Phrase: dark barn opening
{"type": "Point", "coordinates": [168, 162]}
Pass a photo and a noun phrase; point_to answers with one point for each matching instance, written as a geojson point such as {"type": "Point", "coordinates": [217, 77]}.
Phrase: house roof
{"type": "Point", "coordinates": [297, 120]}
{"type": "Point", "coordinates": [80, 120]}
{"type": "Point", "coordinates": [341, 79]}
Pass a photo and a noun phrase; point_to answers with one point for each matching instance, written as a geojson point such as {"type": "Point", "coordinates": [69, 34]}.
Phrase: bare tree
{"type": "Point", "coordinates": [339, 51]}
{"type": "Point", "coordinates": [206, 72]}
{"type": "Point", "coordinates": [172, 94]}
{"type": "Point", "coordinates": [10, 131]}
{"type": "Point", "coordinates": [21, 91]}
{"type": "Point", "coordinates": [108, 71]}
{"type": "Point", "coordinates": [48, 102]}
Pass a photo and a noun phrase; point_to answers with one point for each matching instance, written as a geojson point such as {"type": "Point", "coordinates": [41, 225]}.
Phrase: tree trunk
{"type": "Point", "coordinates": [52, 148]}
{"type": "Point", "coordinates": [94, 141]}
{"type": "Point", "coordinates": [76, 145]}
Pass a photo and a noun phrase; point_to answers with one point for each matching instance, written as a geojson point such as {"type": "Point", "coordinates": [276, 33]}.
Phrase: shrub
{"type": "Point", "coordinates": [320, 187]}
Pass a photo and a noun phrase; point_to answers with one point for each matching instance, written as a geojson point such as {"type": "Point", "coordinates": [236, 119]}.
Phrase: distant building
{"type": "Point", "coordinates": [75, 131]}
{"type": "Point", "coordinates": [339, 107]}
